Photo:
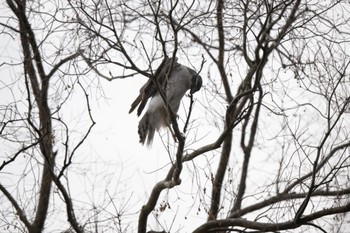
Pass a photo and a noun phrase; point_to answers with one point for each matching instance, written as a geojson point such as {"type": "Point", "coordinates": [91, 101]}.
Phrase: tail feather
{"type": "Point", "coordinates": [135, 103]}
{"type": "Point", "coordinates": [146, 130]}
{"type": "Point", "coordinates": [141, 106]}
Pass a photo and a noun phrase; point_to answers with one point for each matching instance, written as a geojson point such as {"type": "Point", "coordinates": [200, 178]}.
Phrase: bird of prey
{"type": "Point", "coordinates": [175, 80]}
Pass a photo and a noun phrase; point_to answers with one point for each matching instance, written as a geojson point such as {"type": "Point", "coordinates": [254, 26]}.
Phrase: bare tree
{"type": "Point", "coordinates": [282, 95]}
{"type": "Point", "coordinates": [275, 153]}
{"type": "Point", "coordinates": [31, 124]}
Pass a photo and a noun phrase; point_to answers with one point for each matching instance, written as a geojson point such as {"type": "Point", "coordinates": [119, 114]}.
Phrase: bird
{"type": "Point", "coordinates": [175, 80]}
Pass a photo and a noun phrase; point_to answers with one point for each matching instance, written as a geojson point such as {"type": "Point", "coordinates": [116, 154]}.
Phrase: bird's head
{"type": "Point", "coordinates": [196, 83]}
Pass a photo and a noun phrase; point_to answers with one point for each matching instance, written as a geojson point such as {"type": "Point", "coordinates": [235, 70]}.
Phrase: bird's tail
{"type": "Point", "coordinates": [135, 103]}
{"type": "Point", "coordinates": [146, 130]}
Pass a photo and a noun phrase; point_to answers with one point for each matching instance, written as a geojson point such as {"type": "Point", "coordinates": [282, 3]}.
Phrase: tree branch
{"type": "Point", "coordinates": [267, 227]}
{"type": "Point", "coordinates": [19, 210]}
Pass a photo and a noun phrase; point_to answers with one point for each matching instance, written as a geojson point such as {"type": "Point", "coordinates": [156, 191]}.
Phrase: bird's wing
{"type": "Point", "coordinates": [149, 89]}
{"type": "Point", "coordinates": [146, 91]}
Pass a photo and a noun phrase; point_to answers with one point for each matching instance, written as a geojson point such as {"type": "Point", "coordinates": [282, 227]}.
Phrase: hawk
{"type": "Point", "coordinates": [175, 84]}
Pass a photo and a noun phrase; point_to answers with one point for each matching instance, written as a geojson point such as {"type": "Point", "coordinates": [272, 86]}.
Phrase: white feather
{"type": "Point", "coordinates": [157, 115]}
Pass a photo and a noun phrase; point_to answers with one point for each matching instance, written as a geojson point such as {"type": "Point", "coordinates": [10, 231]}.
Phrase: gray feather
{"type": "Point", "coordinates": [178, 83]}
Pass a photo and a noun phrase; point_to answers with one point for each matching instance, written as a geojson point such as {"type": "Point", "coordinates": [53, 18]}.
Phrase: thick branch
{"type": "Point", "coordinates": [221, 58]}
{"type": "Point", "coordinates": [286, 197]}
{"type": "Point", "coordinates": [20, 212]}
{"type": "Point", "coordinates": [267, 227]}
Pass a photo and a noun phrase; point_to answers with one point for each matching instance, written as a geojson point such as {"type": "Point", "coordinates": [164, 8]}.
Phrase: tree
{"type": "Point", "coordinates": [274, 155]}
{"type": "Point", "coordinates": [31, 117]}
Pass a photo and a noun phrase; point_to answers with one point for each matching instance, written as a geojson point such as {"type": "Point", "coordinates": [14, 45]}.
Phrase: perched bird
{"type": "Point", "coordinates": [175, 80]}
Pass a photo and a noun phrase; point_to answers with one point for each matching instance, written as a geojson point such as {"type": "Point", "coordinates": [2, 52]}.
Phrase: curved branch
{"type": "Point", "coordinates": [24, 148]}
{"type": "Point", "coordinates": [20, 212]}
{"type": "Point", "coordinates": [266, 227]}
{"type": "Point", "coordinates": [62, 62]}
{"type": "Point", "coordinates": [285, 197]}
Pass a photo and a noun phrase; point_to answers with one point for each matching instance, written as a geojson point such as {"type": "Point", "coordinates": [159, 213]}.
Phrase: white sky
{"type": "Point", "coordinates": [112, 162]}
